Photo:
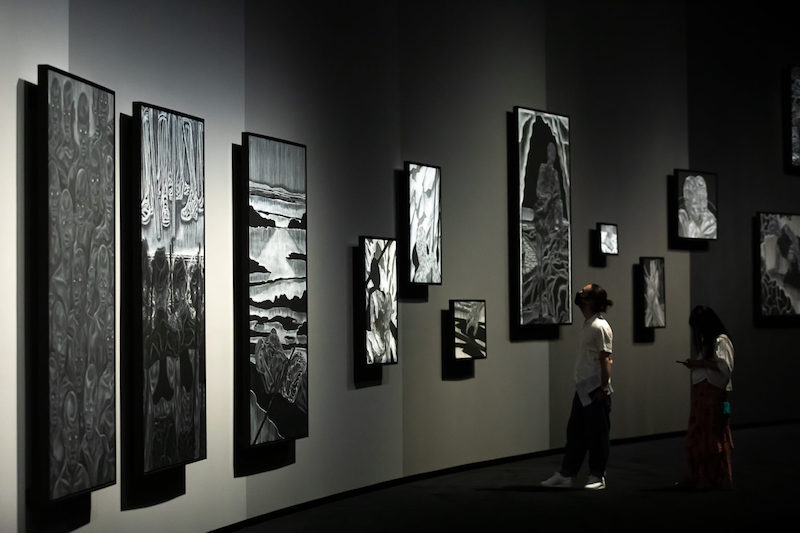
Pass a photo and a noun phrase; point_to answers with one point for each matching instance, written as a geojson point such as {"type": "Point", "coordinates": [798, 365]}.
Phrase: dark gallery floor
{"type": "Point", "coordinates": [639, 497]}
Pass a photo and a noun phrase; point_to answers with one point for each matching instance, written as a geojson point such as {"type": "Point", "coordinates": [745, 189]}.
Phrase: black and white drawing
{"type": "Point", "coordinates": [609, 238]}
{"type": "Point", "coordinates": [792, 120]}
{"type": "Point", "coordinates": [278, 354]}
{"type": "Point", "coordinates": [81, 289]}
{"type": "Point", "coordinates": [697, 204]}
{"type": "Point", "coordinates": [425, 228]}
{"type": "Point", "coordinates": [172, 209]}
{"type": "Point", "coordinates": [380, 299]}
{"type": "Point", "coordinates": [469, 328]}
{"type": "Point", "coordinates": [779, 274]}
{"type": "Point", "coordinates": [654, 291]}
{"type": "Point", "coordinates": [543, 225]}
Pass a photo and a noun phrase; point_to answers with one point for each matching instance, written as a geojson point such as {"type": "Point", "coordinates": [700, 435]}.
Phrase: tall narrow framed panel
{"type": "Point", "coordinates": [608, 238]}
{"type": "Point", "coordinates": [271, 292]}
{"type": "Point", "coordinates": [73, 251]}
{"type": "Point", "coordinates": [540, 223]}
{"type": "Point", "coordinates": [376, 302]}
{"type": "Point", "coordinates": [653, 291]}
{"type": "Point", "coordinates": [469, 329]}
{"type": "Point", "coordinates": [166, 344]}
{"type": "Point", "coordinates": [425, 224]}
{"type": "Point", "coordinates": [777, 269]}
{"type": "Point", "coordinates": [694, 199]}
{"type": "Point", "coordinates": [791, 120]}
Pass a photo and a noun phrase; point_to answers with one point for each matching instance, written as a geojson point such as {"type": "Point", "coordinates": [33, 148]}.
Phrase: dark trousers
{"type": "Point", "coordinates": [587, 430]}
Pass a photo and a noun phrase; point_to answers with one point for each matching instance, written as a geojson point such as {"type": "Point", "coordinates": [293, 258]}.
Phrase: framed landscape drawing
{"type": "Point", "coordinates": [271, 291]}
{"type": "Point", "coordinates": [791, 112]}
{"type": "Point", "coordinates": [695, 204]}
{"type": "Point", "coordinates": [653, 292]}
{"type": "Point", "coordinates": [469, 328]}
{"type": "Point", "coordinates": [377, 302]}
{"type": "Point", "coordinates": [540, 223]}
{"type": "Point", "coordinates": [167, 234]}
{"type": "Point", "coordinates": [425, 224]}
{"type": "Point", "coordinates": [609, 238]}
{"type": "Point", "coordinates": [74, 249]}
{"type": "Point", "coordinates": [777, 260]}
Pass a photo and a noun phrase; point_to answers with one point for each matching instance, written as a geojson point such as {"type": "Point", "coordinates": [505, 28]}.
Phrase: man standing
{"type": "Point", "coordinates": [589, 422]}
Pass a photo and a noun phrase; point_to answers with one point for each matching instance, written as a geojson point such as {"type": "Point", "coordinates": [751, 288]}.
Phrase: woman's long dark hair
{"type": "Point", "coordinates": [706, 327]}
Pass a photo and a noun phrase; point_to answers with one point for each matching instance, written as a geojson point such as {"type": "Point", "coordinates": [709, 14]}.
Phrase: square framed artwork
{"type": "Point", "coordinates": [424, 224]}
{"type": "Point", "coordinates": [777, 261]}
{"type": "Point", "coordinates": [608, 234]}
{"type": "Point", "coordinates": [74, 293]}
{"type": "Point", "coordinates": [695, 205]}
{"type": "Point", "coordinates": [376, 302]}
{"type": "Point", "coordinates": [469, 329]}
{"type": "Point", "coordinates": [791, 120]}
{"type": "Point", "coordinates": [271, 292]}
{"type": "Point", "coordinates": [653, 292]}
{"type": "Point", "coordinates": [540, 222]}
{"type": "Point", "coordinates": [165, 346]}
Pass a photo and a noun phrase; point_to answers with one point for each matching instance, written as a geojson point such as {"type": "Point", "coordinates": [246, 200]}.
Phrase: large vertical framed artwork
{"type": "Point", "coordinates": [271, 292]}
{"type": "Point", "coordinates": [73, 273]}
{"type": "Point", "coordinates": [791, 112]}
{"type": "Point", "coordinates": [166, 297]}
{"type": "Point", "coordinates": [694, 206]}
{"type": "Point", "coordinates": [469, 329]}
{"type": "Point", "coordinates": [425, 224]}
{"type": "Point", "coordinates": [777, 262]}
{"type": "Point", "coordinates": [653, 291]}
{"type": "Point", "coordinates": [376, 302]}
{"type": "Point", "coordinates": [540, 223]}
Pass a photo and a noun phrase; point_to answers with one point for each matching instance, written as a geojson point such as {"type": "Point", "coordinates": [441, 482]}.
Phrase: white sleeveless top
{"type": "Point", "coordinates": [723, 356]}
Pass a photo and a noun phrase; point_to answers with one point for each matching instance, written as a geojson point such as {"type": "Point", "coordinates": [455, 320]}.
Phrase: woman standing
{"type": "Point", "coordinates": [709, 441]}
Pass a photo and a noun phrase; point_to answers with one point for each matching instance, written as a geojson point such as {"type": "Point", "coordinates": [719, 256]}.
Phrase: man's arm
{"type": "Point", "coordinates": [605, 376]}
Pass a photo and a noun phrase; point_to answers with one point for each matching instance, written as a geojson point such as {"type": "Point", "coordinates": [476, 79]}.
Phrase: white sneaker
{"type": "Point", "coordinates": [595, 483]}
{"type": "Point", "coordinates": [559, 481]}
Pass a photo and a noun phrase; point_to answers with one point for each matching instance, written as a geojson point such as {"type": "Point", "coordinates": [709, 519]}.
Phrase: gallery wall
{"type": "Point", "coordinates": [736, 60]}
{"type": "Point", "coordinates": [367, 86]}
{"type": "Point", "coordinates": [619, 70]}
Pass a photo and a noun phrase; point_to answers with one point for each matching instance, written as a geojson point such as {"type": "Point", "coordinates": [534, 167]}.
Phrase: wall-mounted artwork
{"type": "Point", "coordinates": [425, 223]}
{"type": "Point", "coordinates": [171, 164]}
{"type": "Point", "coordinates": [609, 238]}
{"type": "Point", "coordinates": [274, 352]}
{"type": "Point", "coordinates": [654, 292]}
{"type": "Point", "coordinates": [778, 269]}
{"type": "Point", "coordinates": [540, 222]}
{"type": "Point", "coordinates": [76, 154]}
{"type": "Point", "coordinates": [695, 196]}
{"type": "Point", "coordinates": [791, 112]}
{"type": "Point", "coordinates": [377, 287]}
{"type": "Point", "coordinates": [469, 328]}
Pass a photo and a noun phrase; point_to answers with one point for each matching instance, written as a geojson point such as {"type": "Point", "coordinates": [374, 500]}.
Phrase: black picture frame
{"type": "Point", "coordinates": [411, 256]}
{"type": "Point", "coordinates": [653, 293]}
{"type": "Point", "coordinates": [269, 192]}
{"type": "Point", "coordinates": [693, 209]}
{"type": "Point", "coordinates": [776, 269]}
{"type": "Point", "coordinates": [790, 82]}
{"type": "Point", "coordinates": [607, 245]}
{"type": "Point", "coordinates": [539, 218]}
{"type": "Point", "coordinates": [467, 345]}
{"type": "Point", "coordinates": [176, 274]}
{"type": "Point", "coordinates": [71, 287]}
{"type": "Point", "coordinates": [367, 270]}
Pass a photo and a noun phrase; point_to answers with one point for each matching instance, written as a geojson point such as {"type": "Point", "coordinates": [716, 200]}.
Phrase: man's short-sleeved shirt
{"type": "Point", "coordinates": [596, 336]}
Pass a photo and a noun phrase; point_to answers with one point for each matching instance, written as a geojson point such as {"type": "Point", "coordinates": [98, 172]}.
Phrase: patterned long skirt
{"type": "Point", "coordinates": [709, 441]}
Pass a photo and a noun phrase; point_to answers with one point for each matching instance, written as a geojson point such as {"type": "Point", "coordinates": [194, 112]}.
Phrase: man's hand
{"type": "Point", "coordinates": [599, 395]}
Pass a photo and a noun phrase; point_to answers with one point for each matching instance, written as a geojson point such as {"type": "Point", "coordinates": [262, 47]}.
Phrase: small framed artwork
{"type": "Point", "coordinates": [377, 302]}
{"type": "Point", "coordinates": [469, 329]}
{"type": "Point", "coordinates": [609, 238]}
{"type": "Point", "coordinates": [791, 113]}
{"type": "Point", "coordinates": [777, 256]}
{"type": "Point", "coordinates": [693, 206]}
{"type": "Point", "coordinates": [425, 224]}
{"type": "Point", "coordinates": [653, 292]}
{"type": "Point", "coordinates": [540, 239]}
